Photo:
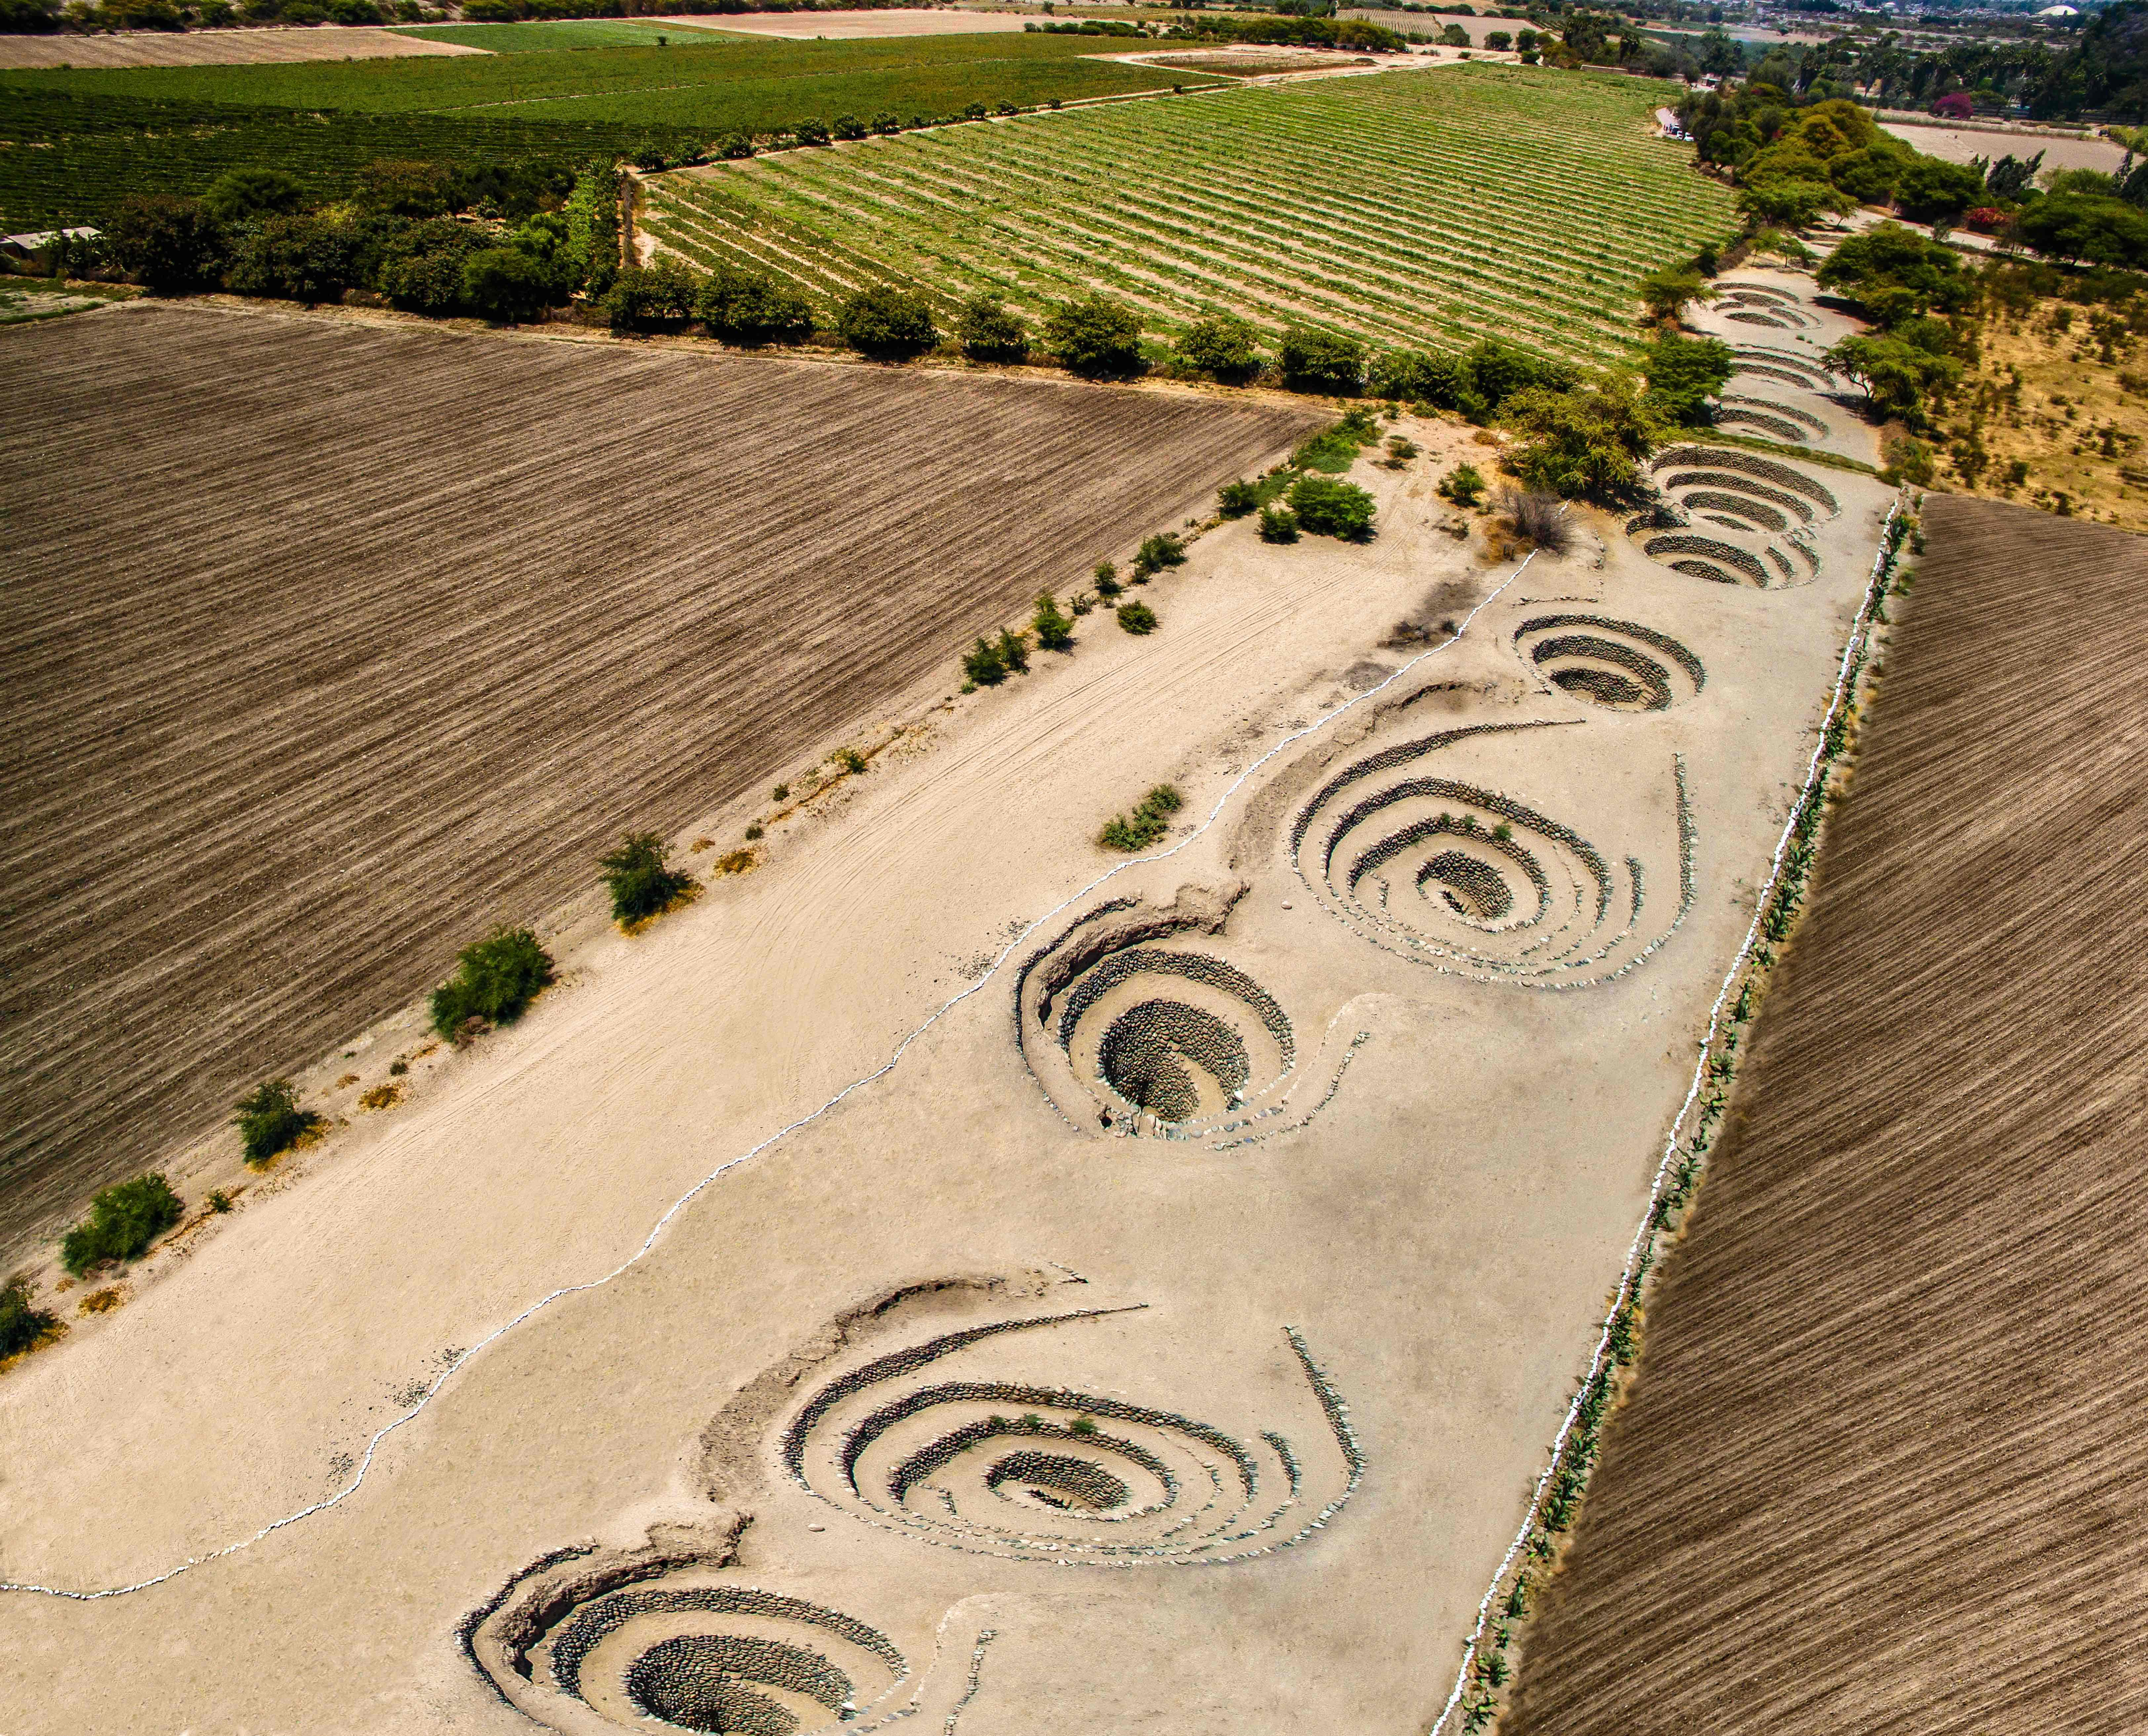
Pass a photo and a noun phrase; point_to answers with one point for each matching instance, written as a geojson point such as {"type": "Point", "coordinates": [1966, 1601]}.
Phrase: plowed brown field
{"type": "Point", "coordinates": [327, 645]}
{"type": "Point", "coordinates": [1884, 1467]}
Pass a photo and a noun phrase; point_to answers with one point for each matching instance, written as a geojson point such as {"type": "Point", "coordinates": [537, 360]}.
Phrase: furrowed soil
{"type": "Point", "coordinates": [217, 47]}
{"type": "Point", "coordinates": [331, 645]}
{"type": "Point", "coordinates": [1882, 1467]}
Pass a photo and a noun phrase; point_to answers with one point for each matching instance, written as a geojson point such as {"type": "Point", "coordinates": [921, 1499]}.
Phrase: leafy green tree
{"type": "Point", "coordinates": [1096, 336]}
{"type": "Point", "coordinates": [1894, 273]}
{"type": "Point", "coordinates": [242, 195]}
{"type": "Point", "coordinates": [1792, 205]}
{"type": "Point", "coordinates": [122, 1222]}
{"type": "Point", "coordinates": [647, 298]}
{"type": "Point", "coordinates": [2074, 226]}
{"type": "Point", "coordinates": [1929, 187]}
{"type": "Point", "coordinates": [422, 267]}
{"type": "Point", "coordinates": [1684, 373]}
{"type": "Point", "coordinates": [640, 886]}
{"type": "Point", "coordinates": [1327, 506]}
{"type": "Point", "coordinates": [812, 133]}
{"type": "Point", "coordinates": [991, 331]}
{"type": "Point", "coordinates": [495, 980]}
{"type": "Point", "coordinates": [1223, 345]}
{"type": "Point", "coordinates": [1454, 36]}
{"type": "Point", "coordinates": [1314, 360]}
{"type": "Point", "coordinates": [170, 245]}
{"type": "Point", "coordinates": [1054, 630]}
{"type": "Point", "coordinates": [742, 305]}
{"type": "Point", "coordinates": [849, 127]}
{"type": "Point", "coordinates": [885, 321]}
{"type": "Point", "coordinates": [269, 1120]}
{"type": "Point", "coordinates": [504, 283]}
{"type": "Point", "coordinates": [1665, 294]}
{"type": "Point", "coordinates": [1897, 373]}
{"type": "Point", "coordinates": [308, 258]}
{"type": "Point", "coordinates": [1586, 443]}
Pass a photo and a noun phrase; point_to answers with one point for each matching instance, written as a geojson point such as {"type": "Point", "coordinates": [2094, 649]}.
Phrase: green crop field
{"type": "Point", "coordinates": [1405, 208]}
{"type": "Point", "coordinates": [539, 37]}
{"type": "Point", "coordinates": [73, 143]}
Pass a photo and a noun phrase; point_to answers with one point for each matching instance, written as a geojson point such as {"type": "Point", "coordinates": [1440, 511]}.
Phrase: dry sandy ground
{"type": "Point", "coordinates": [1782, 392]}
{"type": "Point", "coordinates": [1882, 1467]}
{"type": "Point", "coordinates": [1449, 1117]}
{"type": "Point", "coordinates": [857, 26]}
{"type": "Point", "coordinates": [218, 47]}
{"type": "Point", "coordinates": [379, 635]}
{"type": "Point", "coordinates": [1959, 144]}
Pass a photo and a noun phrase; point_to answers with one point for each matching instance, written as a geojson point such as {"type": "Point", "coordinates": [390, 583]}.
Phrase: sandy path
{"type": "Point", "coordinates": [1886, 1418]}
{"type": "Point", "coordinates": [218, 47]}
{"type": "Point", "coordinates": [647, 582]}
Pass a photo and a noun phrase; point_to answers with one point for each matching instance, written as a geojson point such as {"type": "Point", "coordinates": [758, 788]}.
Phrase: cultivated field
{"type": "Point", "coordinates": [864, 26]}
{"type": "Point", "coordinates": [534, 36]}
{"type": "Point", "coordinates": [1961, 144]}
{"type": "Point", "coordinates": [1405, 207]}
{"type": "Point", "coordinates": [216, 47]}
{"type": "Point", "coordinates": [357, 639]}
{"type": "Point", "coordinates": [1882, 1467]}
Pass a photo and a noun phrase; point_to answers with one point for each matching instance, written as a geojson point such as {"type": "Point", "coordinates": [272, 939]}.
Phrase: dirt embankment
{"type": "Point", "coordinates": [331, 646]}
{"type": "Point", "coordinates": [1883, 1464]}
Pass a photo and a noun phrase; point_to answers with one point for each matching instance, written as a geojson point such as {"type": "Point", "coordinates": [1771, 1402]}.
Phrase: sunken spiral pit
{"type": "Point", "coordinates": [1759, 512]}
{"type": "Point", "coordinates": [1131, 1031]}
{"type": "Point", "coordinates": [1619, 665]}
{"type": "Point", "coordinates": [971, 1459]}
{"type": "Point", "coordinates": [1469, 879]}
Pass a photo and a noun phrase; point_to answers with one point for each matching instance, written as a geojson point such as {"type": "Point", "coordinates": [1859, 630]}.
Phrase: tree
{"type": "Point", "coordinates": [1096, 336]}
{"type": "Point", "coordinates": [1930, 188]}
{"type": "Point", "coordinates": [1321, 361]}
{"type": "Point", "coordinates": [240, 195]}
{"type": "Point", "coordinates": [1223, 346]}
{"type": "Point", "coordinates": [1328, 506]}
{"type": "Point", "coordinates": [495, 980]}
{"type": "Point", "coordinates": [124, 1220]}
{"type": "Point", "coordinates": [741, 305]}
{"type": "Point", "coordinates": [1665, 294]}
{"type": "Point", "coordinates": [1684, 373]}
{"type": "Point", "coordinates": [983, 665]}
{"type": "Point", "coordinates": [639, 884]}
{"type": "Point", "coordinates": [170, 245]}
{"type": "Point", "coordinates": [1454, 36]}
{"type": "Point", "coordinates": [504, 283]}
{"type": "Point", "coordinates": [1499, 41]}
{"type": "Point", "coordinates": [812, 133]}
{"type": "Point", "coordinates": [1795, 204]}
{"type": "Point", "coordinates": [1893, 273]}
{"type": "Point", "coordinates": [1586, 443]}
{"type": "Point", "coordinates": [1896, 373]}
{"type": "Point", "coordinates": [306, 258]}
{"type": "Point", "coordinates": [884, 321]}
{"type": "Point", "coordinates": [1054, 631]}
{"type": "Point", "coordinates": [2075, 226]}
{"type": "Point", "coordinates": [991, 331]}
{"type": "Point", "coordinates": [422, 269]}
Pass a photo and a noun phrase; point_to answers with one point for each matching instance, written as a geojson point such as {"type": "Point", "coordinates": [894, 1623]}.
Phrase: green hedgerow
{"type": "Point", "coordinates": [269, 1121]}
{"type": "Point", "coordinates": [1148, 822]}
{"type": "Point", "coordinates": [1138, 618]}
{"type": "Point", "coordinates": [639, 884]}
{"type": "Point", "coordinates": [495, 980]}
{"type": "Point", "coordinates": [122, 1222]}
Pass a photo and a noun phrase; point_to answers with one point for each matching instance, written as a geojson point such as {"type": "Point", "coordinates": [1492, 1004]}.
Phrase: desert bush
{"type": "Point", "coordinates": [122, 1222]}
{"type": "Point", "coordinates": [885, 321]}
{"type": "Point", "coordinates": [269, 1121]}
{"type": "Point", "coordinates": [991, 331]}
{"type": "Point", "coordinates": [166, 244]}
{"type": "Point", "coordinates": [983, 665]}
{"type": "Point", "coordinates": [20, 1324]}
{"type": "Point", "coordinates": [1236, 500]}
{"type": "Point", "coordinates": [1138, 618]}
{"type": "Point", "coordinates": [850, 760]}
{"type": "Point", "coordinates": [1224, 346]}
{"type": "Point", "coordinates": [1013, 648]}
{"type": "Point", "coordinates": [1278, 524]}
{"type": "Point", "coordinates": [1054, 631]}
{"type": "Point", "coordinates": [1148, 822]}
{"type": "Point", "coordinates": [1156, 553]}
{"type": "Point", "coordinates": [741, 305]}
{"type": "Point", "coordinates": [1463, 485]}
{"type": "Point", "coordinates": [1328, 507]}
{"type": "Point", "coordinates": [495, 980]}
{"type": "Point", "coordinates": [639, 884]}
{"type": "Point", "coordinates": [1537, 520]}
{"type": "Point", "coordinates": [1400, 452]}
{"type": "Point", "coordinates": [1096, 336]}
{"type": "Point", "coordinates": [1321, 361]}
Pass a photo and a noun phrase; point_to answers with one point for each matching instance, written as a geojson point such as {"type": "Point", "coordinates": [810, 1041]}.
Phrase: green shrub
{"type": "Point", "coordinates": [495, 980]}
{"type": "Point", "coordinates": [1164, 549]}
{"type": "Point", "coordinates": [812, 133]}
{"type": "Point", "coordinates": [1321, 361]}
{"type": "Point", "coordinates": [1335, 449]}
{"type": "Point", "coordinates": [166, 244]}
{"type": "Point", "coordinates": [1108, 579]}
{"type": "Point", "coordinates": [1138, 618]}
{"type": "Point", "coordinates": [850, 760]}
{"type": "Point", "coordinates": [21, 1325]}
{"type": "Point", "coordinates": [639, 884]}
{"type": "Point", "coordinates": [1684, 373]}
{"type": "Point", "coordinates": [422, 267]}
{"type": "Point", "coordinates": [1224, 346]}
{"type": "Point", "coordinates": [886, 123]}
{"type": "Point", "coordinates": [1096, 336]}
{"type": "Point", "coordinates": [647, 298]}
{"type": "Point", "coordinates": [741, 305]}
{"type": "Point", "coordinates": [122, 1222]}
{"type": "Point", "coordinates": [1149, 822]}
{"type": "Point", "coordinates": [885, 321]}
{"type": "Point", "coordinates": [269, 1120]}
{"type": "Point", "coordinates": [1278, 524]}
{"type": "Point", "coordinates": [983, 665]}
{"type": "Point", "coordinates": [1014, 651]}
{"type": "Point", "coordinates": [1586, 443]}
{"type": "Point", "coordinates": [849, 127]}
{"type": "Point", "coordinates": [991, 331]}
{"type": "Point", "coordinates": [1328, 508]}
{"type": "Point", "coordinates": [1464, 486]}
{"type": "Point", "coordinates": [1237, 499]}
{"type": "Point", "coordinates": [1054, 631]}
{"type": "Point", "coordinates": [306, 258]}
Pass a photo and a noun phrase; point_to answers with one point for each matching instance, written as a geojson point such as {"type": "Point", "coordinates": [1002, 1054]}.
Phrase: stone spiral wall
{"type": "Point", "coordinates": [1619, 665]}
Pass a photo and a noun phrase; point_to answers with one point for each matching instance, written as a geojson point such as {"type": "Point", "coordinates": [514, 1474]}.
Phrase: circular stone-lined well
{"type": "Point", "coordinates": [1619, 665]}
{"type": "Point", "coordinates": [1766, 506]}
